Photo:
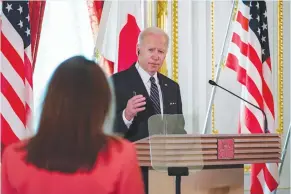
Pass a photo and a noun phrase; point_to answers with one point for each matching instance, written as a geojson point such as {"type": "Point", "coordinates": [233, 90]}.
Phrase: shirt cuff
{"type": "Point", "coordinates": [126, 122]}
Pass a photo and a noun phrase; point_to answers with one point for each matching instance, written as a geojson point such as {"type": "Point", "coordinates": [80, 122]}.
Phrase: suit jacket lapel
{"type": "Point", "coordinates": [137, 83]}
{"type": "Point", "coordinates": [138, 86]}
{"type": "Point", "coordinates": [164, 87]}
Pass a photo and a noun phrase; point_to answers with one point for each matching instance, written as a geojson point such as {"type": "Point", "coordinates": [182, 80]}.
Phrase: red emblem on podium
{"type": "Point", "coordinates": [225, 149]}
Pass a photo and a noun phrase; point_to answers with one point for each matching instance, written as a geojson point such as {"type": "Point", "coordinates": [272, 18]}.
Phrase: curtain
{"type": "Point", "coordinates": [66, 32]}
{"type": "Point", "coordinates": [95, 9]}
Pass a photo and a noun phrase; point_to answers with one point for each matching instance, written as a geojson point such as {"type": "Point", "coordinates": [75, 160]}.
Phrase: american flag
{"type": "Point", "coordinates": [16, 72]}
{"type": "Point", "coordinates": [249, 57]}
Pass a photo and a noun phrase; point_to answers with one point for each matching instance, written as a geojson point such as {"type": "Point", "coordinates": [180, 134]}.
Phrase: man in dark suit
{"type": "Point", "coordinates": [141, 91]}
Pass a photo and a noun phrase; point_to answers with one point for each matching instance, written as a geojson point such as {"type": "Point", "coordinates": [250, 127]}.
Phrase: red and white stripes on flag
{"type": "Point", "coordinates": [249, 57]}
{"type": "Point", "coordinates": [16, 72]}
{"type": "Point", "coordinates": [120, 25]}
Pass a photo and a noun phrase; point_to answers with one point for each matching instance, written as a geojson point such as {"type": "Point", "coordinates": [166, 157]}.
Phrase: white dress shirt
{"type": "Point", "coordinates": [145, 76]}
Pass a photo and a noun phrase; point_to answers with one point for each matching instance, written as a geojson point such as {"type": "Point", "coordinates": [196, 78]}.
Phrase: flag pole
{"type": "Point", "coordinates": [285, 149]}
{"type": "Point", "coordinates": [283, 155]}
{"type": "Point", "coordinates": [221, 61]}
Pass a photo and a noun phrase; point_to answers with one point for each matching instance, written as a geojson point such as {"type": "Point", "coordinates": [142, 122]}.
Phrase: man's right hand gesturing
{"type": "Point", "coordinates": [134, 105]}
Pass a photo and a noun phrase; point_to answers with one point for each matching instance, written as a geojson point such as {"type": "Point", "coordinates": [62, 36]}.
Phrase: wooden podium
{"type": "Point", "coordinates": [215, 162]}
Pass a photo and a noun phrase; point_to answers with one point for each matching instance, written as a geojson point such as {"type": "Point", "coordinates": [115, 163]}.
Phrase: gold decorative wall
{"type": "Point", "coordinates": [175, 66]}
{"type": "Point", "coordinates": [162, 14]}
{"type": "Point", "coordinates": [280, 67]}
{"type": "Point", "coordinates": [162, 19]}
{"type": "Point", "coordinates": [149, 9]}
{"type": "Point", "coordinates": [214, 130]}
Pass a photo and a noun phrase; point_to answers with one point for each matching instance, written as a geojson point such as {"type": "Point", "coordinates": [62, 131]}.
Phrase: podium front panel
{"type": "Point", "coordinates": [168, 147]}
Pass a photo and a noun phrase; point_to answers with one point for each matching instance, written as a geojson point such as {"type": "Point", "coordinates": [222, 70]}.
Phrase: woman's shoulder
{"type": "Point", "coordinates": [13, 154]}
{"type": "Point", "coordinates": [119, 142]}
{"type": "Point", "coordinates": [121, 146]}
{"type": "Point", "coordinates": [15, 147]}
{"type": "Point", "coordinates": [120, 153]}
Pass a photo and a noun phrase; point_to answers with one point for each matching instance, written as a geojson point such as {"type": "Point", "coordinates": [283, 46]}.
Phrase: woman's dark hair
{"type": "Point", "coordinates": [70, 132]}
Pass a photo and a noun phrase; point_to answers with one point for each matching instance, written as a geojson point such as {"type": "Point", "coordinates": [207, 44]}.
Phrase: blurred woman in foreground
{"type": "Point", "coordinates": [70, 153]}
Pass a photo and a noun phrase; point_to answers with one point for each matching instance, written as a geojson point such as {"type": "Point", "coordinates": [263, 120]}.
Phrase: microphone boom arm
{"type": "Point", "coordinates": [265, 116]}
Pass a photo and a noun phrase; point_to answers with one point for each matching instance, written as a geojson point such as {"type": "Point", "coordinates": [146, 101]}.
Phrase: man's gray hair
{"type": "Point", "coordinates": [152, 30]}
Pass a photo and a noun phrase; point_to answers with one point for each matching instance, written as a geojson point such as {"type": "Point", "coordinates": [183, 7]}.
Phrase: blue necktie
{"type": "Point", "coordinates": [154, 96]}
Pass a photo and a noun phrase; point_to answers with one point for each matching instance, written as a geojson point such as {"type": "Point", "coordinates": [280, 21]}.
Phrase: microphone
{"type": "Point", "coordinates": [211, 82]}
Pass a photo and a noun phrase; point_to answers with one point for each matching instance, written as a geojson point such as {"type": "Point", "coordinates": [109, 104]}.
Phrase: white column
{"type": "Point", "coordinates": [201, 62]}
{"type": "Point", "coordinates": [154, 12]}
{"type": "Point", "coordinates": [285, 179]}
{"type": "Point", "coordinates": [169, 31]}
{"type": "Point", "coordinates": [185, 60]}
